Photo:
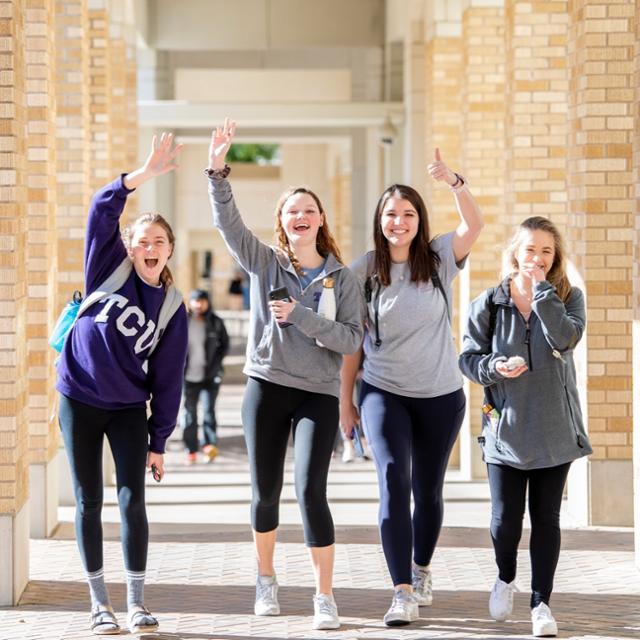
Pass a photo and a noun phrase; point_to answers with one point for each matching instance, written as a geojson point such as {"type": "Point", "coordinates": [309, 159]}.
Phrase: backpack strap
{"type": "Point", "coordinates": [493, 311]}
{"type": "Point", "coordinates": [435, 278]}
{"type": "Point", "coordinates": [114, 282]}
{"type": "Point", "coordinates": [172, 302]}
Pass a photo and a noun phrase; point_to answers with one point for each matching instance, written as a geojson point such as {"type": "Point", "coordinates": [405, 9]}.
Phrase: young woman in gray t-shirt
{"type": "Point", "coordinates": [411, 401]}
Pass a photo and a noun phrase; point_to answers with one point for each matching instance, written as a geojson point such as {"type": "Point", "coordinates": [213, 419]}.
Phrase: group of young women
{"type": "Point", "coordinates": [390, 312]}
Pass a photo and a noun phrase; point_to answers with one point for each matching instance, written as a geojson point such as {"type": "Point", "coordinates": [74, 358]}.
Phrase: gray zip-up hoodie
{"type": "Point", "coordinates": [540, 421]}
{"type": "Point", "coordinates": [289, 356]}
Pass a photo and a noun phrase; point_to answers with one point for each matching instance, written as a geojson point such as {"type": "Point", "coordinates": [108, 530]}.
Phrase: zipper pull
{"type": "Point", "coordinates": [557, 354]}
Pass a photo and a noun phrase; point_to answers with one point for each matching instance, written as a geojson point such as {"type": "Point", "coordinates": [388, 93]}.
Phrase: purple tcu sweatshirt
{"type": "Point", "coordinates": [104, 358]}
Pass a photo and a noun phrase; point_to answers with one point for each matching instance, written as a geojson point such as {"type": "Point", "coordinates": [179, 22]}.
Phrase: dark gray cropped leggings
{"type": "Point", "coordinates": [270, 412]}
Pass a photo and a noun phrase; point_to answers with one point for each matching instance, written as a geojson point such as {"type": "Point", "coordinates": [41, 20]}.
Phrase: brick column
{"type": "Point", "coordinates": [14, 508]}
{"type": "Point", "coordinates": [601, 42]}
{"type": "Point", "coordinates": [72, 159]}
{"type": "Point", "coordinates": [101, 95]}
{"type": "Point", "coordinates": [536, 123]}
{"type": "Point", "coordinates": [483, 149]}
{"type": "Point", "coordinates": [41, 262]}
{"type": "Point", "coordinates": [636, 289]}
{"type": "Point", "coordinates": [443, 129]}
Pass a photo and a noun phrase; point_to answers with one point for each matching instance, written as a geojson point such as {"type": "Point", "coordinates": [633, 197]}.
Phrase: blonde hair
{"type": "Point", "coordinates": [557, 275]}
{"type": "Point", "coordinates": [325, 243]}
{"type": "Point", "coordinates": [166, 277]}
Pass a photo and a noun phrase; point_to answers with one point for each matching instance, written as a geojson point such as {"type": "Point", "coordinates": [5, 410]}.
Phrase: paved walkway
{"type": "Point", "coordinates": [201, 567]}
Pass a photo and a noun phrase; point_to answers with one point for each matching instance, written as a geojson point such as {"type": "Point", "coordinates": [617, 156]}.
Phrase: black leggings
{"type": "Point", "coordinates": [411, 439]}
{"type": "Point", "coordinates": [508, 488]}
{"type": "Point", "coordinates": [269, 413]}
{"type": "Point", "coordinates": [83, 430]}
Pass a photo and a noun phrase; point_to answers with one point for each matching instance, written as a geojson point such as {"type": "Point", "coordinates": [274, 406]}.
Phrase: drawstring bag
{"type": "Point", "coordinates": [65, 321]}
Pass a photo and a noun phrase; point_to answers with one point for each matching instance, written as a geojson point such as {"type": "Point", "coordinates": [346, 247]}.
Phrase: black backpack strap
{"type": "Point", "coordinates": [435, 278]}
{"type": "Point", "coordinates": [493, 311]}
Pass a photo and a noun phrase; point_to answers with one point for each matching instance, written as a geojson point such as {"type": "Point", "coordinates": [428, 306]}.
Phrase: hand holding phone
{"type": "Point", "coordinates": [356, 436]}
{"type": "Point", "coordinates": [281, 293]}
{"type": "Point", "coordinates": [514, 362]}
{"type": "Point", "coordinates": [155, 472]}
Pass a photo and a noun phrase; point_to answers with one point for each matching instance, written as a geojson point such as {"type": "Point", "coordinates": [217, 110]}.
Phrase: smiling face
{"type": "Point", "coordinates": [399, 223]}
{"type": "Point", "coordinates": [301, 218]}
{"type": "Point", "coordinates": [150, 249]}
{"type": "Point", "coordinates": [536, 249]}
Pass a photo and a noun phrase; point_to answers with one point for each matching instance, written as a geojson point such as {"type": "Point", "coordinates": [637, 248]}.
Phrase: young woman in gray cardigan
{"type": "Point", "coordinates": [293, 363]}
{"type": "Point", "coordinates": [519, 345]}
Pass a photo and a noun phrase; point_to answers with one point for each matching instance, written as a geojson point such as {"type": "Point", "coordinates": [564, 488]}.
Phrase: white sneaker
{"type": "Point", "coordinates": [422, 585]}
{"type": "Point", "coordinates": [325, 612]}
{"type": "Point", "coordinates": [501, 600]}
{"type": "Point", "coordinates": [348, 452]}
{"type": "Point", "coordinates": [543, 623]}
{"type": "Point", "coordinates": [403, 609]}
{"type": "Point", "coordinates": [266, 597]}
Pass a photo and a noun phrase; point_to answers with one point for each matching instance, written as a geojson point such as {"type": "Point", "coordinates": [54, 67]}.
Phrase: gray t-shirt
{"type": "Point", "coordinates": [197, 358]}
{"type": "Point", "coordinates": [417, 357]}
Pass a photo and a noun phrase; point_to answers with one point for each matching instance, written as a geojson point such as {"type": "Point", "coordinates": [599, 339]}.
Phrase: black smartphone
{"type": "Point", "coordinates": [155, 472]}
{"type": "Point", "coordinates": [281, 293]}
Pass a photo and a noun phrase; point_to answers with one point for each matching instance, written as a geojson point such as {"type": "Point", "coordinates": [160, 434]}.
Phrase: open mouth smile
{"type": "Point", "coordinates": [151, 263]}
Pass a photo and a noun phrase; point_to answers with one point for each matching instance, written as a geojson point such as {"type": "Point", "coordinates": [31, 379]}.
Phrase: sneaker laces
{"type": "Point", "coordinates": [326, 606]}
{"type": "Point", "coordinates": [422, 580]}
{"type": "Point", "coordinates": [265, 590]}
{"type": "Point", "coordinates": [401, 598]}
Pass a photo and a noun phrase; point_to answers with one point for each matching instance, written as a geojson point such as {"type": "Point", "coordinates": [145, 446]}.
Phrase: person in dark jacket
{"type": "Point", "coordinates": [518, 345]}
{"type": "Point", "coordinates": [208, 345]}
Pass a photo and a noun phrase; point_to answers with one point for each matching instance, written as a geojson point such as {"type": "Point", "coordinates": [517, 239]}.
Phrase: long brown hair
{"type": "Point", "coordinates": [423, 261]}
{"type": "Point", "coordinates": [166, 277]}
{"type": "Point", "coordinates": [325, 242]}
{"type": "Point", "coordinates": [557, 275]}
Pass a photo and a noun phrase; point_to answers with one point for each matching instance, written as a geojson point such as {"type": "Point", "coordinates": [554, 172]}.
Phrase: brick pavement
{"type": "Point", "coordinates": [201, 569]}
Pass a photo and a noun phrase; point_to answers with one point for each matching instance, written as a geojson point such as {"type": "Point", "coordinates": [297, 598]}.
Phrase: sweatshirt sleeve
{"type": "Point", "coordinates": [344, 334]}
{"type": "Point", "coordinates": [104, 249]}
{"type": "Point", "coordinates": [477, 361]}
{"type": "Point", "coordinates": [166, 368]}
{"type": "Point", "coordinates": [562, 323]}
{"type": "Point", "coordinates": [252, 254]}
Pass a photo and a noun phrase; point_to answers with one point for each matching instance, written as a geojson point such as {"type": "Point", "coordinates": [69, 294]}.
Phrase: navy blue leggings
{"type": "Point", "coordinates": [411, 439]}
{"type": "Point", "coordinates": [508, 490]}
{"type": "Point", "coordinates": [83, 430]}
{"type": "Point", "coordinates": [270, 412]}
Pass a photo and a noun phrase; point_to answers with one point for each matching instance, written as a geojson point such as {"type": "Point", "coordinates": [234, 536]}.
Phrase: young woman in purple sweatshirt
{"type": "Point", "coordinates": [106, 375]}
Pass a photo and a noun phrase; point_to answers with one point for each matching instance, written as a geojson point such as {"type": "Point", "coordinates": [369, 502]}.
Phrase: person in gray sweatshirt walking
{"type": "Point", "coordinates": [519, 345]}
{"type": "Point", "coordinates": [293, 363]}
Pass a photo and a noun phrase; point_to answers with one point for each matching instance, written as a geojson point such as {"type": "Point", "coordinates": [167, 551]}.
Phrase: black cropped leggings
{"type": "Point", "coordinates": [269, 413]}
{"type": "Point", "coordinates": [508, 489]}
{"type": "Point", "coordinates": [83, 430]}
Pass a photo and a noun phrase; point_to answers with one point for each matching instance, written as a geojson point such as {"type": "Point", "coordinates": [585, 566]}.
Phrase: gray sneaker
{"type": "Point", "coordinates": [403, 609]}
{"type": "Point", "coordinates": [325, 612]}
{"type": "Point", "coordinates": [422, 585]}
{"type": "Point", "coordinates": [266, 597]}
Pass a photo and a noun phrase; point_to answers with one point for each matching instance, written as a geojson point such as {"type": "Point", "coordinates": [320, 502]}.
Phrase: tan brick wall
{"type": "Point", "coordinates": [13, 277]}
{"type": "Point", "coordinates": [101, 97]}
{"type": "Point", "coordinates": [72, 148]}
{"type": "Point", "coordinates": [536, 123]}
{"type": "Point", "coordinates": [443, 85]}
{"type": "Point", "coordinates": [601, 40]}
{"type": "Point", "coordinates": [41, 252]}
{"type": "Point", "coordinates": [483, 148]}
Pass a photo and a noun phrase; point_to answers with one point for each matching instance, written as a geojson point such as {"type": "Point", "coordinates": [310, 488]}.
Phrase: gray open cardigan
{"type": "Point", "coordinates": [540, 421]}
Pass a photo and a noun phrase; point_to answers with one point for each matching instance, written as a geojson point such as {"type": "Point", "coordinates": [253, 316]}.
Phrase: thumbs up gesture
{"type": "Point", "coordinates": [439, 171]}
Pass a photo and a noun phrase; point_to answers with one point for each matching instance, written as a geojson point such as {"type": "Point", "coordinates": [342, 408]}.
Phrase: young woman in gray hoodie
{"type": "Point", "coordinates": [293, 363]}
{"type": "Point", "coordinates": [519, 345]}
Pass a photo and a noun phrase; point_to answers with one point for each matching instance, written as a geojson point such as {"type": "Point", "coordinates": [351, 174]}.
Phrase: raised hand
{"type": "Point", "coordinates": [439, 171]}
{"type": "Point", "coordinates": [162, 155]}
{"type": "Point", "coordinates": [161, 160]}
{"type": "Point", "coordinates": [221, 138]}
